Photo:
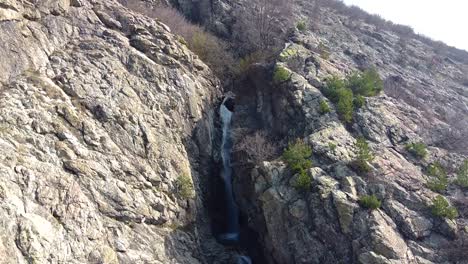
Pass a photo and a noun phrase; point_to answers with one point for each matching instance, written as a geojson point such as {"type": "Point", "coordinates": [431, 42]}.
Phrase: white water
{"type": "Point", "coordinates": [226, 117]}
{"type": "Point", "coordinates": [232, 226]}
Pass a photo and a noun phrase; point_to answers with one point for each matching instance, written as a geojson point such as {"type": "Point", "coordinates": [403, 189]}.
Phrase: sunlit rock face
{"type": "Point", "coordinates": [102, 111]}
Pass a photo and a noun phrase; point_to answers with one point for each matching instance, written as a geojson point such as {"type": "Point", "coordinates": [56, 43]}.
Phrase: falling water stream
{"type": "Point", "coordinates": [231, 234]}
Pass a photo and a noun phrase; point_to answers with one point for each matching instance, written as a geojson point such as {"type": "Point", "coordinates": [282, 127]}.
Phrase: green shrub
{"type": "Point", "coordinates": [297, 157]}
{"type": "Point", "coordinates": [281, 74]}
{"type": "Point", "coordinates": [440, 207]}
{"type": "Point", "coordinates": [367, 83]}
{"type": "Point", "coordinates": [324, 108]}
{"type": "Point", "coordinates": [333, 85]}
{"type": "Point", "coordinates": [359, 101]}
{"type": "Point", "coordinates": [363, 156]}
{"type": "Point", "coordinates": [303, 181]}
{"type": "Point", "coordinates": [439, 180]}
{"type": "Point", "coordinates": [462, 175]}
{"type": "Point", "coordinates": [344, 106]}
{"type": "Point", "coordinates": [418, 149]}
{"type": "Point", "coordinates": [350, 93]}
{"type": "Point", "coordinates": [369, 202]}
{"type": "Point", "coordinates": [288, 53]}
{"type": "Point", "coordinates": [184, 186]}
{"type": "Point", "coordinates": [301, 25]}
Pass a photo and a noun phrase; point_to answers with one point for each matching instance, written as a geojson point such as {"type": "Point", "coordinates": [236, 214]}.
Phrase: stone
{"type": "Point", "coordinates": [385, 239]}
{"type": "Point", "coordinates": [345, 210]}
{"type": "Point", "coordinates": [298, 209]}
{"type": "Point", "coordinates": [373, 258]}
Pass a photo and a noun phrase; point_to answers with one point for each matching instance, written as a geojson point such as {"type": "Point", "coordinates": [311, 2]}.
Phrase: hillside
{"type": "Point", "coordinates": [272, 132]}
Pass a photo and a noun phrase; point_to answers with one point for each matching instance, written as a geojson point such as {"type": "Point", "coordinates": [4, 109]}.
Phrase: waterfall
{"type": "Point", "coordinates": [232, 233]}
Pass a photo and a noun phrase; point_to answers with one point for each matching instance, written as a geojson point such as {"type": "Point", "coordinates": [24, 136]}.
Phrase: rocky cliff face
{"type": "Point", "coordinates": [326, 224]}
{"type": "Point", "coordinates": [107, 131]}
{"type": "Point", "coordinates": [102, 112]}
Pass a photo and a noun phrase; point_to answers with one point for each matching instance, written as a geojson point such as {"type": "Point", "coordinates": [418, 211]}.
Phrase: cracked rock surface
{"type": "Point", "coordinates": [98, 106]}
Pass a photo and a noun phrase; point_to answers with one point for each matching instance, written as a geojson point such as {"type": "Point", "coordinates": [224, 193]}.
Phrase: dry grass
{"type": "Point", "coordinates": [212, 50]}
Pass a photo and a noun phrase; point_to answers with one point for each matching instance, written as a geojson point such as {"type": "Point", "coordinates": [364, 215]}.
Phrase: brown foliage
{"type": "Point", "coordinates": [212, 50]}
{"type": "Point", "coordinates": [256, 147]}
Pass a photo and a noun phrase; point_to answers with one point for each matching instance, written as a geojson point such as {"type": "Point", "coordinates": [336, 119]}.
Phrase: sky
{"type": "Point", "coordinates": [445, 20]}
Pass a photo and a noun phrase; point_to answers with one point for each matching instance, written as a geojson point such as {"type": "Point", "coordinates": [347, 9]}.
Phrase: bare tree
{"type": "Point", "coordinates": [256, 147]}
{"type": "Point", "coordinates": [262, 24]}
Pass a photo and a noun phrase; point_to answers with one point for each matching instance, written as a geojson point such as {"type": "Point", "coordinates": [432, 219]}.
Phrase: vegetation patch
{"type": "Point", "coordinates": [418, 149]}
{"type": "Point", "coordinates": [209, 48]}
{"type": "Point", "coordinates": [349, 94]}
{"type": "Point", "coordinates": [441, 208]}
{"type": "Point", "coordinates": [184, 187]}
{"type": "Point", "coordinates": [364, 155]}
{"type": "Point", "coordinates": [303, 181]}
{"type": "Point", "coordinates": [256, 147]}
{"type": "Point", "coordinates": [281, 74]}
{"type": "Point", "coordinates": [367, 83]}
{"type": "Point", "coordinates": [287, 53]}
{"type": "Point", "coordinates": [301, 25]}
{"type": "Point", "coordinates": [462, 175]}
{"type": "Point", "coordinates": [297, 156]}
{"type": "Point", "coordinates": [359, 101]}
{"type": "Point", "coordinates": [439, 180]}
{"type": "Point", "coordinates": [324, 108]}
{"type": "Point", "coordinates": [370, 202]}
{"type": "Point", "coordinates": [344, 107]}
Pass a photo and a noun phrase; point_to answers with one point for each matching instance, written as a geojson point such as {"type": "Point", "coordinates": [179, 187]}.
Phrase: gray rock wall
{"type": "Point", "coordinates": [101, 111]}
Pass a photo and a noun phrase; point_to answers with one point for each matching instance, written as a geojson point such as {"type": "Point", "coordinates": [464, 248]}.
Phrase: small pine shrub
{"type": "Point", "coordinates": [324, 108]}
{"type": "Point", "coordinates": [350, 93]}
{"type": "Point", "coordinates": [281, 74]}
{"type": "Point", "coordinates": [462, 175]}
{"type": "Point", "coordinates": [363, 156]}
{"type": "Point", "coordinates": [359, 101]}
{"type": "Point", "coordinates": [333, 85]}
{"type": "Point", "coordinates": [303, 181]}
{"type": "Point", "coordinates": [297, 157]}
{"type": "Point", "coordinates": [418, 149]}
{"type": "Point", "coordinates": [441, 208]}
{"type": "Point", "coordinates": [344, 106]}
{"type": "Point", "coordinates": [439, 180]}
{"type": "Point", "coordinates": [185, 186]}
{"type": "Point", "coordinates": [301, 26]}
{"type": "Point", "coordinates": [369, 202]}
{"type": "Point", "coordinates": [367, 83]}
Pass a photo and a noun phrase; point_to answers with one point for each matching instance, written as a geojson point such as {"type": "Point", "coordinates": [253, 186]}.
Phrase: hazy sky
{"type": "Point", "coordinates": [445, 20]}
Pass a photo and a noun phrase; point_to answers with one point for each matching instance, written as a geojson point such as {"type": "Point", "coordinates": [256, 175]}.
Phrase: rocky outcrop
{"type": "Point", "coordinates": [101, 111]}
{"type": "Point", "coordinates": [326, 224]}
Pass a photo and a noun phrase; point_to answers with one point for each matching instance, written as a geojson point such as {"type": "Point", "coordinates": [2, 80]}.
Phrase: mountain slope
{"type": "Point", "coordinates": [97, 110]}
